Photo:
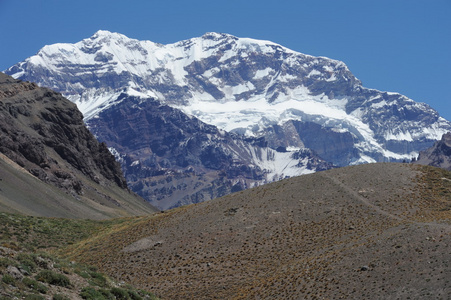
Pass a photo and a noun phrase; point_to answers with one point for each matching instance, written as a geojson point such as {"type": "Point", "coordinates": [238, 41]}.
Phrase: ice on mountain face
{"type": "Point", "coordinates": [314, 73]}
{"type": "Point", "coordinates": [237, 84]}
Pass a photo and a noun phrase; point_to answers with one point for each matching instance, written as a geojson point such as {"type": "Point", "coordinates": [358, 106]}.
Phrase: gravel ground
{"type": "Point", "coordinates": [376, 231]}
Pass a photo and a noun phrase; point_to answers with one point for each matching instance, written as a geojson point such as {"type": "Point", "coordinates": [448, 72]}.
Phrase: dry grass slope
{"type": "Point", "coordinates": [376, 231]}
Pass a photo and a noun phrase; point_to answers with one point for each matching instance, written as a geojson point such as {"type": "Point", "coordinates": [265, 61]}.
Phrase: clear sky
{"type": "Point", "coordinates": [391, 45]}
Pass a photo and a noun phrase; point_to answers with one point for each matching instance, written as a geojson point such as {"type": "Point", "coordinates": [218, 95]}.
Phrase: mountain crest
{"type": "Point", "coordinates": [256, 89]}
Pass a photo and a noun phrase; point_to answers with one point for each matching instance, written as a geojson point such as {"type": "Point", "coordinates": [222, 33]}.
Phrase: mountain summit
{"type": "Point", "coordinates": [244, 85]}
{"type": "Point", "coordinates": [252, 89]}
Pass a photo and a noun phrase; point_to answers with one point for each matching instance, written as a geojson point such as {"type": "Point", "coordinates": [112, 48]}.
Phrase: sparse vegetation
{"type": "Point", "coordinates": [60, 297]}
{"type": "Point", "coordinates": [90, 293]}
{"type": "Point", "coordinates": [331, 234]}
{"type": "Point", "coordinates": [53, 278]}
{"type": "Point", "coordinates": [8, 279]}
{"type": "Point", "coordinates": [34, 297]}
{"type": "Point", "coordinates": [21, 239]}
{"type": "Point", "coordinates": [33, 233]}
{"type": "Point", "coordinates": [35, 285]}
{"type": "Point", "coordinates": [348, 233]}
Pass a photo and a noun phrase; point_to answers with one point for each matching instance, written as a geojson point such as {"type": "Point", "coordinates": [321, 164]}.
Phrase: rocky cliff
{"type": "Point", "coordinates": [439, 155]}
{"type": "Point", "coordinates": [44, 133]}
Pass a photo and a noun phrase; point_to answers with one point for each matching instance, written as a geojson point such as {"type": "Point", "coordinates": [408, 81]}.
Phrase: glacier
{"type": "Point", "coordinates": [240, 85]}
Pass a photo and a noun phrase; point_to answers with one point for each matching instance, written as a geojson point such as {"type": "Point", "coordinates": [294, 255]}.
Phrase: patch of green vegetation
{"type": "Point", "coordinates": [60, 297]}
{"type": "Point", "coordinates": [32, 233]}
{"type": "Point", "coordinates": [118, 293]}
{"type": "Point", "coordinates": [53, 278]}
{"type": "Point", "coordinates": [5, 262]}
{"type": "Point", "coordinates": [27, 262]}
{"type": "Point", "coordinates": [24, 236]}
{"type": "Point", "coordinates": [89, 293]}
{"type": "Point", "coordinates": [97, 279]}
{"type": "Point", "coordinates": [35, 285]}
{"type": "Point", "coordinates": [8, 279]}
{"type": "Point", "coordinates": [34, 297]}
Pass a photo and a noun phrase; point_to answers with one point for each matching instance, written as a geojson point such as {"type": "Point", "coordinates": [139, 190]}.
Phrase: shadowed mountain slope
{"type": "Point", "coordinates": [51, 164]}
{"type": "Point", "coordinates": [375, 231]}
{"type": "Point", "coordinates": [172, 159]}
{"type": "Point", "coordinates": [439, 155]}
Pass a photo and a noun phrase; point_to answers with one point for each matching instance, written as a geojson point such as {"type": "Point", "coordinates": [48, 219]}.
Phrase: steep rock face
{"type": "Point", "coordinates": [439, 155]}
{"type": "Point", "coordinates": [35, 119]}
{"type": "Point", "coordinates": [172, 159]}
{"type": "Point", "coordinates": [45, 134]}
{"type": "Point", "coordinates": [242, 85]}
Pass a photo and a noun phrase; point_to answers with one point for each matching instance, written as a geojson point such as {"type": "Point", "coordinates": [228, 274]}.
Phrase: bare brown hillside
{"type": "Point", "coordinates": [376, 231]}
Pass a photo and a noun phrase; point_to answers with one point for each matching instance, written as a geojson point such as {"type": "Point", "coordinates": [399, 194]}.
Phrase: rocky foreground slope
{"type": "Point", "coordinates": [51, 163]}
{"type": "Point", "coordinates": [375, 231]}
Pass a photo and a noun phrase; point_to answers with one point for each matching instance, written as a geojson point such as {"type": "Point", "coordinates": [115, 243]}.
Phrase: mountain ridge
{"type": "Point", "coordinates": [216, 69]}
{"type": "Point", "coordinates": [257, 89]}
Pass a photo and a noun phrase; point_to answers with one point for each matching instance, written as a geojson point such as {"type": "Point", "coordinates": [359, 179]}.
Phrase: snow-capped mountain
{"type": "Point", "coordinates": [252, 88]}
{"type": "Point", "coordinates": [172, 159]}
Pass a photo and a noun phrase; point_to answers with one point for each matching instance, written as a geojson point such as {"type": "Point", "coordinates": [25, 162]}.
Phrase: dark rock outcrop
{"type": "Point", "coordinates": [44, 133]}
{"type": "Point", "coordinates": [439, 155]}
{"type": "Point", "coordinates": [37, 123]}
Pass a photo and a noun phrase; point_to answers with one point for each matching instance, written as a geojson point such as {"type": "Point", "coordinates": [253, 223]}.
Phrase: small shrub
{"type": "Point", "coordinates": [33, 284]}
{"type": "Point", "coordinates": [53, 278]}
{"type": "Point", "coordinates": [120, 293]}
{"type": "Point", "coordinates": [90, 293]}
{"type": "Point", "coordinates": [5, 262]}
{"type": "Point", "coordinates": [107, 294]}
{"type": "Point", "coordinates": [28, 265]}
{"type": "Point", "coordinates": [60, 297]}
{"type": "Point", "coordinates": [34, 297]}
{"type": "Point", "coordinates": [27, 262]}
{"type": "Point", "coordinates": [92, 268]}
{"type": "Point", "coordinates": [134, 295]}
{"type": "Point", "coordinates": [98, 279]}
{"type": "Point", "coordinates": [64, 266]}
{"type": "Point", "coordinates": [83, 274]}
{"type": "Point", "coordinates": [8, 279]}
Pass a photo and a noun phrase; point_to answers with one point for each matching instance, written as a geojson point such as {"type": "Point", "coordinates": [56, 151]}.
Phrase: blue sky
{"type": "Point", "coordinates": [391, 45]}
